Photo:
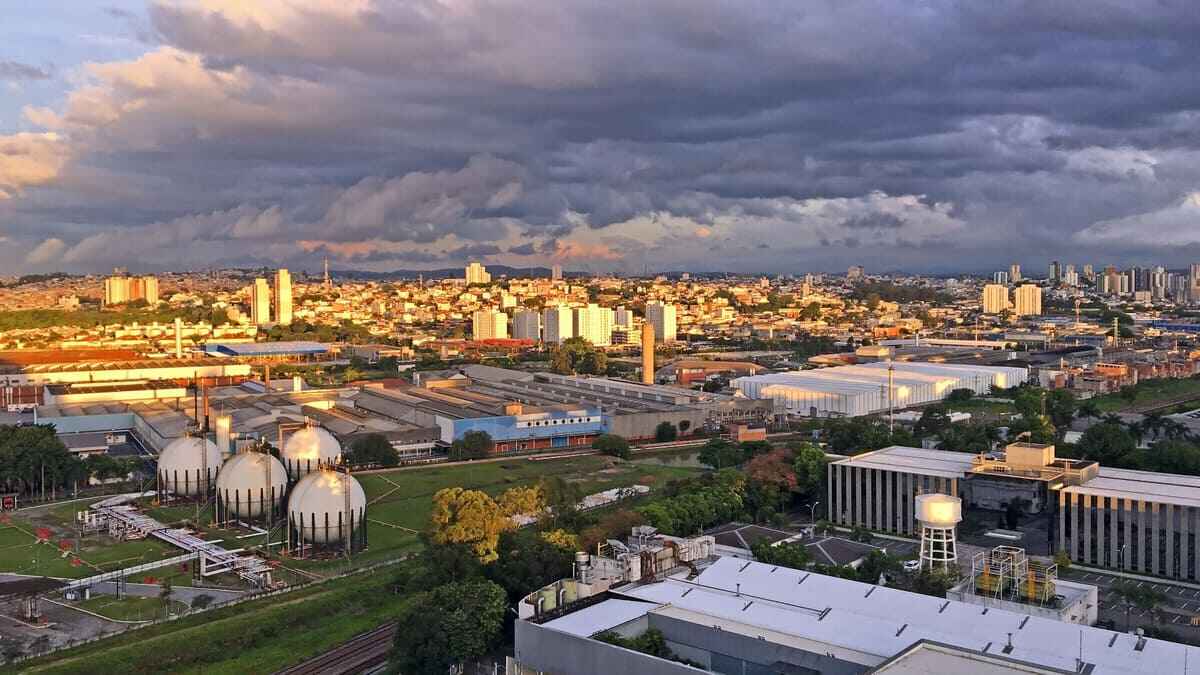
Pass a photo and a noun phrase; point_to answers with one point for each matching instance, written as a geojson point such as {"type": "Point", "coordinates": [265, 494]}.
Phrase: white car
{"type": "Point", "coordinates": [912, 565]}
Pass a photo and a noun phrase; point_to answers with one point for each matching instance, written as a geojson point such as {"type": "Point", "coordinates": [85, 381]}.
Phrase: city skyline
{"type": "Point", "coordinates": [130, 135]}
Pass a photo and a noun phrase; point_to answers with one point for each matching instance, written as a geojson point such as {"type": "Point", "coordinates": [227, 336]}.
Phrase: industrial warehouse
{"type": "Point", "coordinates": [1136, 521]}
{"type": "Point", "coordinates": [735, 616]}
{"type": "Point", "coordinates": [851, 391]}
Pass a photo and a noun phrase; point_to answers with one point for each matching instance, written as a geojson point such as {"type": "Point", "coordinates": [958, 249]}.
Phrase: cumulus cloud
{"type": "Point", "coordinates": [46, 252]}
{"type": "Point", "coordinates": [627, 134]}
{"type": "Point", "coordinates": [15, 71]}
{"type": "Point", "coordinates": [1173, 226]}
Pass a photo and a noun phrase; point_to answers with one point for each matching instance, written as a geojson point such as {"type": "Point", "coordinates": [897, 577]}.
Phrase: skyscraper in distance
{"type": "Point", "coordinates": [1028, 300]}
{"type": "Point", "coordinates": [557, 324]}
{"type": "Point", "coordinates": [1014, 272]}
{"type": "Point", "coordinates": [283, 297]}
{"type": "Point", "coordinates": [260, 302]}
{"type": "Point", "coordinates": [477, 274]}
{"type": "Point", "coordinates": [556, 272]}
{"type": "Point", "coordinates": [662, 317]}
{"type": "Point", "coordinates": [527, 325]}
{"type": "Point", "coordinates": [488, 324]}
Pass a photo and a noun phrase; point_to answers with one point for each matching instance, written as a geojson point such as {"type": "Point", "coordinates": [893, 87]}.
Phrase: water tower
{"type": "Point", "coordinates": [939, 516]}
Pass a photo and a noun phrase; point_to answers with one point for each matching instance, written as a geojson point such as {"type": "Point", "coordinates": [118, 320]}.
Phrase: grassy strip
{"type": "Point", "coordinates": [130, 608]}
{"type": "Point", "coordinates": [259, 636]}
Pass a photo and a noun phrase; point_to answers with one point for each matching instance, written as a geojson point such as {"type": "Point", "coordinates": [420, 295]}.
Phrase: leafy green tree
{"type": "Point", "coordinates": [576, 355]}
{"type": "Point", "coordinates": [787, 554]}
{"type": "Point", "coordinates": [1108, 443]}
{"type": "Point", "coordinates": [1143, 597]}
{"type": "Point", "coordinates": [447, 626]}
{"type": "Point", "coordinates": [811, 467]}
{"type": "Point", "coordinates": [755, 448]}
{"type": "Point", "coordinates": [561, 496]}
{"type": "Point", "coordinates": [528, 562]}
{"type": "Point", "coordinates": [372, 450]}
{"type": "Point", "coordinates": [961, 395]}
{"type": "Point", "coordinates": [665, 432]}
{"type": "Point", "coordinates": [651, 642]}
{"type": "Point", "coordinates": [933, 420]}
{"type": "Point", "coordinates": [472, 445]}
{"type": "Point", "coordinates": [612, 444]}
{"type": "Point", "coordinates": [719, 453]}
{"type": "Point", "coordinates": [34, 460]}
{"type": "Point", "coordinates": [1061, 406]}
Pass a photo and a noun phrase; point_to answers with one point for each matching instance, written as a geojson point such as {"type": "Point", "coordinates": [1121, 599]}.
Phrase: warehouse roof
{"type": "Point", "coordinates": [868, 623]}
{"type": "Point", "coordinates": [265, 348]}
{"type": "Point", "coordinates": [600, 617]}
{"type": "Point", "coordinates": [939, 463]}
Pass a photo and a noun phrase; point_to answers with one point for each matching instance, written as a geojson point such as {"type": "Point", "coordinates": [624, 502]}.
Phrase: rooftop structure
{"type": "Point", "coordinates": [266, 349]}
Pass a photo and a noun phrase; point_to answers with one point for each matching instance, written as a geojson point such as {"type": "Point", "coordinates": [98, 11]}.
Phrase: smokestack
{"type": "Point", "coordinates": [178, 338]}
{"type": "Point", "coordinates": [647, 353]}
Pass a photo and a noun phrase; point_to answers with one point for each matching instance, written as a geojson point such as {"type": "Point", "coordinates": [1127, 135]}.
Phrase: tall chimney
{"type": "Point", "coordinates": [178, 338]}
{"type": "Point", "coordinates": [647, 353]}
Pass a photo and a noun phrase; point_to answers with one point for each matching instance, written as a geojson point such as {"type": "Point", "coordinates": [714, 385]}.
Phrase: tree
{"type": "Point", "coordinates": [1145, 598]}
{"type": "Point", "coordinates": [1088, 409]}
{"type": "Point", "coordinates": [372, 450]}
{"type": "Point", "coordinates": [34, 460]}
{"type": "Point", "coordinates": [468, 517]}
{"type": "Point", "coordinates": [472, 445]}
{"type": "Point", "coordinates": [449, 625]}
{"type": "Point", "coordinates": [933, 420]}
{"type": "Point", "coordinates": [528, 561]}
{"type": "Point", "coordinates": [960, 395]}
{"type": "Point", "coordinates": [771, 480]}
{"type": "Point", "coordinates": [612, 444]}
{"type": "Point", "coordinates": [787, 554]}
{"type": "Point", "coordinates": [1108, 443]}
{"type": "Point", "coordinates": [614, 525]}
{"type": "Point", "coordinates": [810, 465]}
{"type": "Point", "coordinates": [719, 453]}
{"type": "Point", "coordinates": [665, 432]}
{"type": "Point", "coordinates": [164, 594]}
{"type": "Point", "coordinates": [1060, 407]}
{"type": "Point", "coordinates": [755, 448]}
{"type": "Point", "coordinates": [576, 355]}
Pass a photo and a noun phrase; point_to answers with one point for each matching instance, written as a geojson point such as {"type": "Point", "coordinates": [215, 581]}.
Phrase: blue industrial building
{"type": "Point", "coordinates": [266, 349]}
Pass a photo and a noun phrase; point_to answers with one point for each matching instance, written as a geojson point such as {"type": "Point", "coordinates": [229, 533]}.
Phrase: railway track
{"type": "Point", "coordinates": [356, 655]}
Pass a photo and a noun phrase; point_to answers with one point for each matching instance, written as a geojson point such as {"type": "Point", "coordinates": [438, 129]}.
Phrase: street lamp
{"type": "Point", "coordinates": [812, 511]}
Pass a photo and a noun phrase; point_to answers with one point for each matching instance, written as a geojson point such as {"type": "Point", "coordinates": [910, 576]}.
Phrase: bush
{"type": "Point", "coordinates": [665, 432]}
{"type": "Point", "coordinates": [472, 445]}
{"type": "Point", "coordinates": [612, 444]}
{"type": "Point", "coordinates": [960, 395]}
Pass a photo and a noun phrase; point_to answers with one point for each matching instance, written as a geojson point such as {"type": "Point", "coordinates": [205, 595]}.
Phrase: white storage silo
{"type": "Point", "coordinates": [188, 466]}
{"type": "Point", "coordinates": [308, 449]}
{"type": "Point", "coordinates": [247, 481]}
{"type": "Point", "coordinates": [327, 508]}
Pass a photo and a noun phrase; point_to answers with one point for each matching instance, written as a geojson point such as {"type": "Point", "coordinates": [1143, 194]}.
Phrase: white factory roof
{"type": "Point", "coordinates": [940, 463]}
{"type": "Point", "coordinates": [601, 617]}
{"type": "Point", "coordinates": [1161, 488]}
{"type": "Point", "coordinates": [868, 624]}
{"type": "Point", "coordinates": [869, 376]}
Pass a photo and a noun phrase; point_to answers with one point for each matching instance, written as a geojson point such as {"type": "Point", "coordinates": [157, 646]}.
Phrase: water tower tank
{"type": "Point", "coordinates": [248, 480]}
{"type": "Point", "coordinates": [317, 509]}
{"type": "Point", "coordinates": [309, 448]}
{"type": "Point", "coordinates": [183, 464]}
{"type": "Point", "coordinates": [939, 510]}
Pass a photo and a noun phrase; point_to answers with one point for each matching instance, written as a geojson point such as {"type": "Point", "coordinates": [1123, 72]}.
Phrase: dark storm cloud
{"type": "Point", "coordinates": [375, 130]}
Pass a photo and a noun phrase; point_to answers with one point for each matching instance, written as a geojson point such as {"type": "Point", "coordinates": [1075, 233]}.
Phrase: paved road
{"type": "Point", "coordinates": [1182, 602]}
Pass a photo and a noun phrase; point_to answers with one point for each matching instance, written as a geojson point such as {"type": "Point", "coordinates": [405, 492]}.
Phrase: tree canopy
{"type": "Point", "coordinates": [449, 625]}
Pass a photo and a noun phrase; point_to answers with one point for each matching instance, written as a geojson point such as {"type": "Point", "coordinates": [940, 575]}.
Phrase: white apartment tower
{"type": "Point", "coordinates": [477, 274]}
{"type": "Point", "coordinates": [488, 324]}
{"type": "Point", "coordinates": [259, 296]}
{"type": "Point", "coordinates": [1014, 272]}
{"type": "Point", "coordinates": [995, 298]}
{"type": "Point", "coordinates": [557, 325]}
{"type": "Point", "coordinates": [623, 318]}
{"type": "Point", "coordinates": [662, 317]}
{"type": "Point", "coordinates": [556, 273]}
{"type": "Point", "coordinates": [527, 325]}
{"type": "Point", "coordinates": [1028, 300]}
{"type": "Point", "coordinates": [283, 297]}
{"type": "Point", "coordinates": [594, 324]}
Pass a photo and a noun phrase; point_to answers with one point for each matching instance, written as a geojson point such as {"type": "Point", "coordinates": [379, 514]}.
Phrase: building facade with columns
{"type": "Point", "coordinates": [1138, 521]}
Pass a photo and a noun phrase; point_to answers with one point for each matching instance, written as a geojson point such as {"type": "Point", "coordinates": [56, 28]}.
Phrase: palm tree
{"type": "Point", "coordinates": [1089, 409]}
{"type": "Point", "coordinates": [1153, 423]}
{"type": "Point", "coordinates": [1112, 418]}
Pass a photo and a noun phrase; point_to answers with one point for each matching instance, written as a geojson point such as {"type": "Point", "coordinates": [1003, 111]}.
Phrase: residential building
{"type": "Point", "coordinates": [594, 324]}
{"type": "Point", "coordinates": [1014, 273]}
{"type": "Point", "coordinates": [527, 325]}
{"type": "Point", "coordinates": [1000, 277]}
{"type": "Point", "coordinates": [662, 317]}
{"type": "Point", "coordinates": [283, 297]}
{"type": "Point", "coordinates": [556, 272]}
{"type": "Point", "coordinates": [624, 318]}
{"type": "Point", "coordinates": [995, 298]}
{"type": "Point", "coordinates": [1028, 300]}
{"type": "Point", "coordinates": [477, 274]}
{"type": "Point", "coordinates": [259, 298]}
{"type": "Point", "coordinates": [119, 289]}
{"type": "Point", "coordinates": [488, 324]}
{"type": "Point", "coordinates": [557, 324]}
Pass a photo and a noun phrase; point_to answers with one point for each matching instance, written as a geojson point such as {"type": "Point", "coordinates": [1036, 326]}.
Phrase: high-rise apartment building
{"type": "Point", "coordinates": [1055, 272]}
{"type": "Point", "coordinates": [1194, 284]}
{"type": "Point", "coordinates": [1028, 300]}
{"type": "Point", "coordinates": [1000, 277]}
{"type": "Point", "coordinates": [557, 325]}
{"type": "Point", "coordinates": [995, 299]}
{"type": "Point", "coordinates": [1111, 283]}
{"type": "Point", "coordinates": [1089, 272]}
{"type": "Point", "coordinates": [283, 297]}
{"type": "Point", "coordinates": [477, 274]}
{"type": "Point", "coordinates": [259, 298]}
{"type": "Point", "coordinates": [662, 316]}
{"type": "Point", "coordinates": [594, 324]}
{"type": "Point", "coordinates": [556, 272]}
{"type": "Point", "coordinates": [623, 317]}
{"type": "Point", "coordinates": [120, 288]}
{"type": "Point", "coordinates": [527, 325]}
{"type": "Point", "coordinates": [488, 324]}
{"type": "Point", "coordinates": [1014, 272]}
{"type": "Point", "coordinates": [855, 273]}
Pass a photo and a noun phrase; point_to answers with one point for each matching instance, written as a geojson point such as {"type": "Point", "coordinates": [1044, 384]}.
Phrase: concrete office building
{"type": "Point", "coordinates": [752, 618]}
{"type": "Point", "coordinates": [1138, 521]}
{"type": "Point", "coordinates": [527, 325]}
{"type": "Point", "coordinates": [864, 389]}
{"type": "Point", "coordinates": [662, 317]}
{"type": "Point", "coordinates": [557, 325]}
{"type": "Point", "coordinates": [259, 299]}
{"type": "Point", "coordinates": [487, 324]}
{"type": "Point", "coordinates": [594, 324]}
{"type": "Point", "coordinates": [995, 298]}
{"type": "Point", "coordinates": [477, 274]}
{"type": "Point", "coordinates": [1028, 300]}
{"type": "Point", "coordinates": [283, 297]}
{"type": "Point", "coordinates": [1014, 273]}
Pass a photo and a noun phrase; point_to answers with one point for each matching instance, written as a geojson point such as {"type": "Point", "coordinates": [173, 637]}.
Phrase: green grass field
{"type": "Point", "coordinates": [130, 608]}
{"type": "Point", "coordinates": [1151, 392]}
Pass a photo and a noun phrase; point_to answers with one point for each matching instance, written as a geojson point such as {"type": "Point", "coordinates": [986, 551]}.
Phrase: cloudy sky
{"type": "Point", "coordinates": [747, 135]}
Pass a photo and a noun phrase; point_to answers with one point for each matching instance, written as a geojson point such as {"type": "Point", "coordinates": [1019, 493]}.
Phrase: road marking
{"type": "Point", "coordinates": [1196, 594]}
{"type": "Point", "coordinates": [1139, 584]}
{"type": "Point", "coordinates": [1184, 604]}
{"type": "Point", "coordinates": [1175, 619]}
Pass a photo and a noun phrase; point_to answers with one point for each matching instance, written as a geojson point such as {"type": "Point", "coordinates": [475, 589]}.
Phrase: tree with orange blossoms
{"type": "Point", "coordinates": [473, 518]}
